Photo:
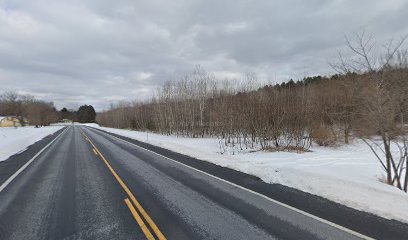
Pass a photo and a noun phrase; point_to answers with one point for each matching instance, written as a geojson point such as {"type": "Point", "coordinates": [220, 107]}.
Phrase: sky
{"type": "Point", "coordinates": [102, 51]}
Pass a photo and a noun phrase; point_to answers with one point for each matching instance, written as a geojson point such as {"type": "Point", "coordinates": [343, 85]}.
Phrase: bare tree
{"type": "Point", "coordinates": [380, 102]}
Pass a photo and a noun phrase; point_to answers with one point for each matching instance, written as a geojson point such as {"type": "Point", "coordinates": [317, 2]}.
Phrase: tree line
{"type": "Point", "coordinates": [327, 110]}
{"type": "Point", "coordinates": [367, 98]}
{"type": "Point", "coordinates": [24, 107]}
{"type": "Point", "coordinates": [41, 113]}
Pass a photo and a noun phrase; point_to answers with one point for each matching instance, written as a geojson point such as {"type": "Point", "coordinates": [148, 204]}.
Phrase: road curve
{"type": "Point", "coordinates": [91, 185]}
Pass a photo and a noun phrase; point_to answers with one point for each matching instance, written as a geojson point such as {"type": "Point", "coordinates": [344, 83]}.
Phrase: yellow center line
{"type": "Point", "coordinates": [94, 151]}
{"type": "Point", "coordinates": [130, 194]}
{"type": "Point", "coordinates": [139, 220]}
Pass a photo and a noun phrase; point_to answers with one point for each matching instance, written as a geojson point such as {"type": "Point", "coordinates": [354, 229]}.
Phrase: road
{"type": "Point", "coordinates": [88, 184]}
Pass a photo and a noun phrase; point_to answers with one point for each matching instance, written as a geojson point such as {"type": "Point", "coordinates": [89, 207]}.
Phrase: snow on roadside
{"type": "Point", "coordinates": [348, 175]}
{"type": "Point", "coordinates": [15, 140]}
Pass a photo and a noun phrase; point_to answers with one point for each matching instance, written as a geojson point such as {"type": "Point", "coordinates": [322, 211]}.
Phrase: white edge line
{"type": "Point", "coordinates": [10, 179]}
{"type": "Point", "coordinates": [253, 192]}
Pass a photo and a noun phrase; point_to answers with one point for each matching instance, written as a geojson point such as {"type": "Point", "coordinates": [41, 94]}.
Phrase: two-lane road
{"type": "Point", "coordinates": [91, 185]}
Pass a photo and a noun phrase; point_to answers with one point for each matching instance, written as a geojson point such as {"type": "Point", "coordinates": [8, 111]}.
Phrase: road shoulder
{"type": "Point", "coordinates": [9, 166]}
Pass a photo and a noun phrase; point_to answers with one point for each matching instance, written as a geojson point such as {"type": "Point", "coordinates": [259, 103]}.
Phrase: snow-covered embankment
{"type": "Point", "coordinates": [15, 140]}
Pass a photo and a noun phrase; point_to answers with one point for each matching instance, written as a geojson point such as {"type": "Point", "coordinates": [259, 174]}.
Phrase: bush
{"type": "Point", "coordinates": [323, 136]}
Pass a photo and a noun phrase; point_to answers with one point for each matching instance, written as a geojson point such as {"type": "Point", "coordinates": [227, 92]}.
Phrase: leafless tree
{"type": "Point", "coordinates": [383, 100]}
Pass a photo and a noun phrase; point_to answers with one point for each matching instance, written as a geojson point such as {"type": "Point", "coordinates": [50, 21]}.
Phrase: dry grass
{"type": "Point", "coordinates": [286, 149]}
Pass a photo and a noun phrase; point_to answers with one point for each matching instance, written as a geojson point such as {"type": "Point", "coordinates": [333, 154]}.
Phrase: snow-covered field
{"type": "Point", "coordinates": [15, 140]}
{"type": "Point", "coordinates": [349, 175]}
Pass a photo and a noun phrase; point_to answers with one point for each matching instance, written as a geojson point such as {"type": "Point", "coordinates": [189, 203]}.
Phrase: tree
{"type": "Point", "coordinates": [64, 113]}
{"type": "Point", "coordinates": [13, 105]}
{"type": "Point", "coordinates": [41, 113]}
{"type": "Point", "coordinates": [382, 102]}
{"type": "Point", "coordinates": [86, 114]}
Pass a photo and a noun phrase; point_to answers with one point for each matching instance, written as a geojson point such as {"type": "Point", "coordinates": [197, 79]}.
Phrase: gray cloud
{"type": "Point", "coordinates": [98, 52]}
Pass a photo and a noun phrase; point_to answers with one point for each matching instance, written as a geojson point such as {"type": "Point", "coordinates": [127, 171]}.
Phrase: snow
{"type": "Point", "coordinates": [15, 140]}
{"type": "Point", "coordinates": [350, 175]}
{"type": "Point", "coordinates": [95, 125]}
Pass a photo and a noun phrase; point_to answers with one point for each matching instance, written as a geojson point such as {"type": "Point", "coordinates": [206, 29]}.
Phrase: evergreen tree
{"type": "Point", "coordinates": [86, 114]}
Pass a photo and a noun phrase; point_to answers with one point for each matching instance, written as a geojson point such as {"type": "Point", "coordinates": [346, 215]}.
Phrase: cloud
{"type": "Point", "coordinates": [97, 52]}
{"type": "Point", "coordinates": [143, 76]}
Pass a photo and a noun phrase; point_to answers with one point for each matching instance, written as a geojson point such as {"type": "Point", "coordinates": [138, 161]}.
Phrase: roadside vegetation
{"type": "Point", "coordinates": [366, 99]}
{"type": "Point", "coordinates": [32, 111]}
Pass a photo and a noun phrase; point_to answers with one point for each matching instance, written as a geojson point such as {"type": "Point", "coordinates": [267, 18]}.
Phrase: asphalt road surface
{"type": "Point", "coordinates": [83, 183]}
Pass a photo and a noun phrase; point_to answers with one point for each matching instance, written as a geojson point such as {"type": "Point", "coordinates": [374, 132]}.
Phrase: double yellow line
{"type": "Point", "coordinates": [136, 203]}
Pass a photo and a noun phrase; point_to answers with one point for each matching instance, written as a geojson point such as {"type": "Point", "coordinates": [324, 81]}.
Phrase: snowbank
{"type": "Point", "coordinates": [349, 175]}
{"type": "Point", "coordinates": [95, 125]}
{"type": "Point", "coordinates": [15, 140]}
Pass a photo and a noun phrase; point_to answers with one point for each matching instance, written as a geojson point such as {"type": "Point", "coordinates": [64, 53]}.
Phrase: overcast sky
{"type": "Point", "coordinates": [97, 52]}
